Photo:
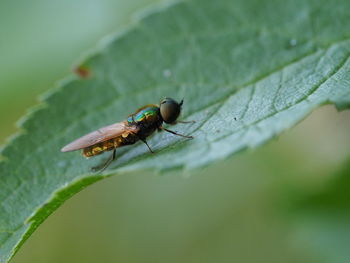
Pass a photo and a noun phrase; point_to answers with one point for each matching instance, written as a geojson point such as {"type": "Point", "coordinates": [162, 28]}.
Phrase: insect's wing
{"type": "Point", "coordinates": [100, 135]}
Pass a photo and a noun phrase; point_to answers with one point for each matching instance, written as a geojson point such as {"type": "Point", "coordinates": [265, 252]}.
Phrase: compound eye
{"type": "Point", "coordinates": [170, 110]}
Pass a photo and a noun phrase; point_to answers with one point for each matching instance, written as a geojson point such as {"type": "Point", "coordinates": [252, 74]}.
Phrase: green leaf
{"type": "Point", "coordinates": [248, 70]}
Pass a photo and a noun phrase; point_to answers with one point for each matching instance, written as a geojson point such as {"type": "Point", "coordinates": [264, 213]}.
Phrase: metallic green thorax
{"type": "Point", "coordinates": [149, 114]}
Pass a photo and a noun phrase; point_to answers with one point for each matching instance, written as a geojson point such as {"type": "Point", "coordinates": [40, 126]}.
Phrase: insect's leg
{"type": "Point", "coordinates": [101, 168]}
{"type": "Point", "coordinates": [145, 142]}
{"type": "Point", "coordinates": [184, 122]}
{"type": "Point", "coordinates": [175, 133]}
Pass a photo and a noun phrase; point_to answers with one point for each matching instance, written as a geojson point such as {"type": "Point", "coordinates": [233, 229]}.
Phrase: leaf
{"type": "Point", "coordinates": [248, 70]}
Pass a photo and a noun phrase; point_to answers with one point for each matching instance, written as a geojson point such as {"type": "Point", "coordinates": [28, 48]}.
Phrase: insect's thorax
{"type": "Point", "coordinates": [147, 118]}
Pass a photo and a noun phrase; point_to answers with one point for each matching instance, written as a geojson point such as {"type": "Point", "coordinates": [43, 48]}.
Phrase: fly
{"type": "Point", "coordinates": [137, 126]}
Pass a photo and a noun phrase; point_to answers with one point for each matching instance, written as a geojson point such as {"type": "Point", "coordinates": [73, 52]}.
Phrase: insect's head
{"type": "Point", "coordinates": [170, 109]}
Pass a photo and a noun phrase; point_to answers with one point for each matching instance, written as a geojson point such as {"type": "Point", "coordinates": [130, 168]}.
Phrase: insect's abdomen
{"type": "Point", "coordinates": [119, 141]}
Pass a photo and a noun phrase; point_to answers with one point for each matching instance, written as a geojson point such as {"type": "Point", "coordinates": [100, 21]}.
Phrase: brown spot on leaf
{"type": "Point", "coordinates": [83, 71]}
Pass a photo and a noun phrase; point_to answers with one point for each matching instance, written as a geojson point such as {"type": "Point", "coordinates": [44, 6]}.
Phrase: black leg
{"type": "Point", "coordinates": [175, 133]}
{"type": "Point", "coordinates": [145, 142]}
{"type": "Point", "coordinates": [101, 168]}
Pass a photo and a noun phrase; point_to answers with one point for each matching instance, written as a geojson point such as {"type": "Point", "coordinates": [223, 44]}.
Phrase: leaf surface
{"type": "Point", "coordinates": [248, 70]}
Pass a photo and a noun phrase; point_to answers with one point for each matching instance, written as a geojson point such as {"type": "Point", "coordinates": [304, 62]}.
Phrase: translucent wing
{"type": "Point", "coordinates": [100, 135]}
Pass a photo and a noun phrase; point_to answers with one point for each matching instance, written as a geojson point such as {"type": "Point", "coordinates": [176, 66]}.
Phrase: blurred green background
{"type": "Point", "coordinates": [284, 202]}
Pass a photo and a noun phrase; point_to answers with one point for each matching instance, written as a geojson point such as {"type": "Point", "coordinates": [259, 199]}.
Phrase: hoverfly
{"type": "Point", "coordinates": [137, 126]}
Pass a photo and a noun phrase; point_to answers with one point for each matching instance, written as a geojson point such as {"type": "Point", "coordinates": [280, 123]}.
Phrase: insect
{"type": "Point", "coordinates": [137, 126]}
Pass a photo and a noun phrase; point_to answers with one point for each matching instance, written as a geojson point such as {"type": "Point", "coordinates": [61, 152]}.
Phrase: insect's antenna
{"type": "Point", "coordinates": [181, 102]}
